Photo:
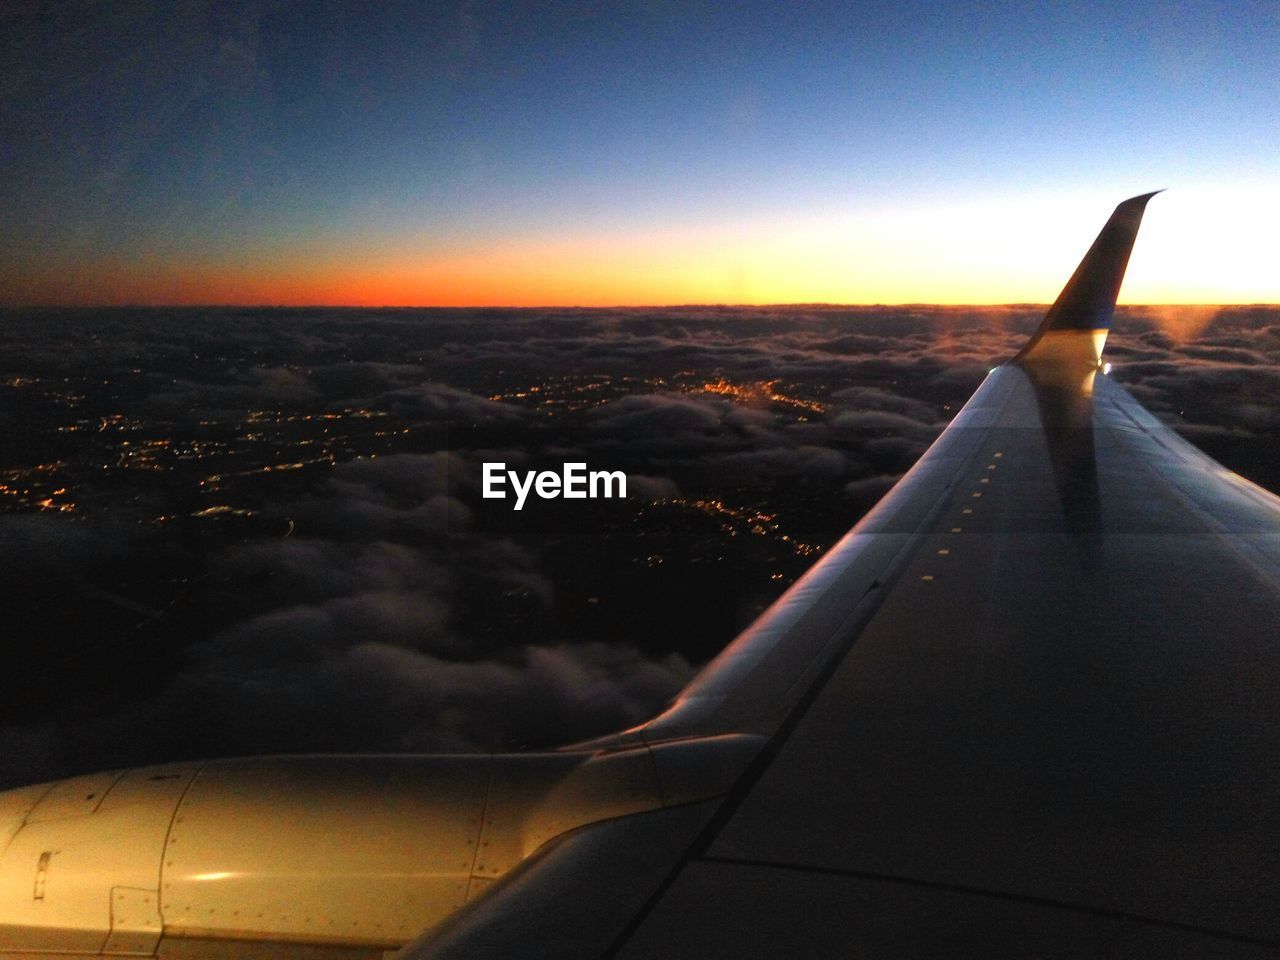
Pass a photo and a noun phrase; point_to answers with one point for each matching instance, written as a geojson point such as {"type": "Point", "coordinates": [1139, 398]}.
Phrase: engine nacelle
{"type": "Point", "coordinates": [354, 853]}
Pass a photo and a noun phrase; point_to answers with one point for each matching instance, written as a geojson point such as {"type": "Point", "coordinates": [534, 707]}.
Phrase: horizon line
{"type": "Point", "coordinates": [817, 304]}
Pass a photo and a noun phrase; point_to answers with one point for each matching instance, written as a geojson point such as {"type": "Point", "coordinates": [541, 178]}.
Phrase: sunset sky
{"type": "Point", "coordinates": [631, 153]}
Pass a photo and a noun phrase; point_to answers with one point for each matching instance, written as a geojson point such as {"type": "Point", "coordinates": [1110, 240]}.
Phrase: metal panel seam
{"type": "Point", "coordinates": [26, 818]}
{"type": "Point", "coordinates": [164, 846]}
{"type": "Point", "coordinates": [484, 812]}
{"type": "Point", "coordinates": [995, 895]}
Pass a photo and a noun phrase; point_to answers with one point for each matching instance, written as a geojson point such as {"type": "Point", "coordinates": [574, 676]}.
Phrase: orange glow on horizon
{"type": "Point", "coordinates": [975, 253]}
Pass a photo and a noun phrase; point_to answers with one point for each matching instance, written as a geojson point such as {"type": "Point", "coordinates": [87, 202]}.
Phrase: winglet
{"type": "Point", "coordinates": [1075, 328]}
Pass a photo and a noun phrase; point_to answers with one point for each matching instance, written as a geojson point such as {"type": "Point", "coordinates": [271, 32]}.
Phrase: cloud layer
{"type": "Point", "coordinates": [299, 557]}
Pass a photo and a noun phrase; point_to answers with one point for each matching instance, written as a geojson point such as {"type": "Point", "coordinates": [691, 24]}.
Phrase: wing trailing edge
{"type": "Point", "coordinates": [1075, 328]}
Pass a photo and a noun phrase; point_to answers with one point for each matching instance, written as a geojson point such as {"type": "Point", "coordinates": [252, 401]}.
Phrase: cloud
{"type": "Point", "coordinates": [447, 405]}
{"type": "Point", "coordinates": [666, 416]}
{"type": "Point", "coordinates": [248, 389]}
{"type": "Point", "coordinates": [868, 490]}
{"type": "Point", "coordinates": [859, 398]}
{"type": "Point", "coordinates": [881, 422]}
{"type": "Point", "coordinates": [645, 487]}
{"type": "Point", "coordinates": [802, 460]}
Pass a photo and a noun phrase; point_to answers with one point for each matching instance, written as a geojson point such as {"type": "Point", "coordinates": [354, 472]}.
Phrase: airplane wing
{"type": "Point", "coordinates": [1027, 707]}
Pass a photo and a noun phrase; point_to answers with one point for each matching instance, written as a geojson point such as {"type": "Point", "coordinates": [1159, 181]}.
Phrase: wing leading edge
{"type": "Point", "coordinates": [1025, 707]}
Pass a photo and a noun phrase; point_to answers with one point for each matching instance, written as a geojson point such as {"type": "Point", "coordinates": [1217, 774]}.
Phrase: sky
{"type": "Point", "coordinates": [411, 153]}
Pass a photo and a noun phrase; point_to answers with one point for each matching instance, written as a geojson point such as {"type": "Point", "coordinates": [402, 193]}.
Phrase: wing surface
{"type": "Point", "coordinates": [1027, 707]}
{"type": "Point", "coordinates": [1063, 709]}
